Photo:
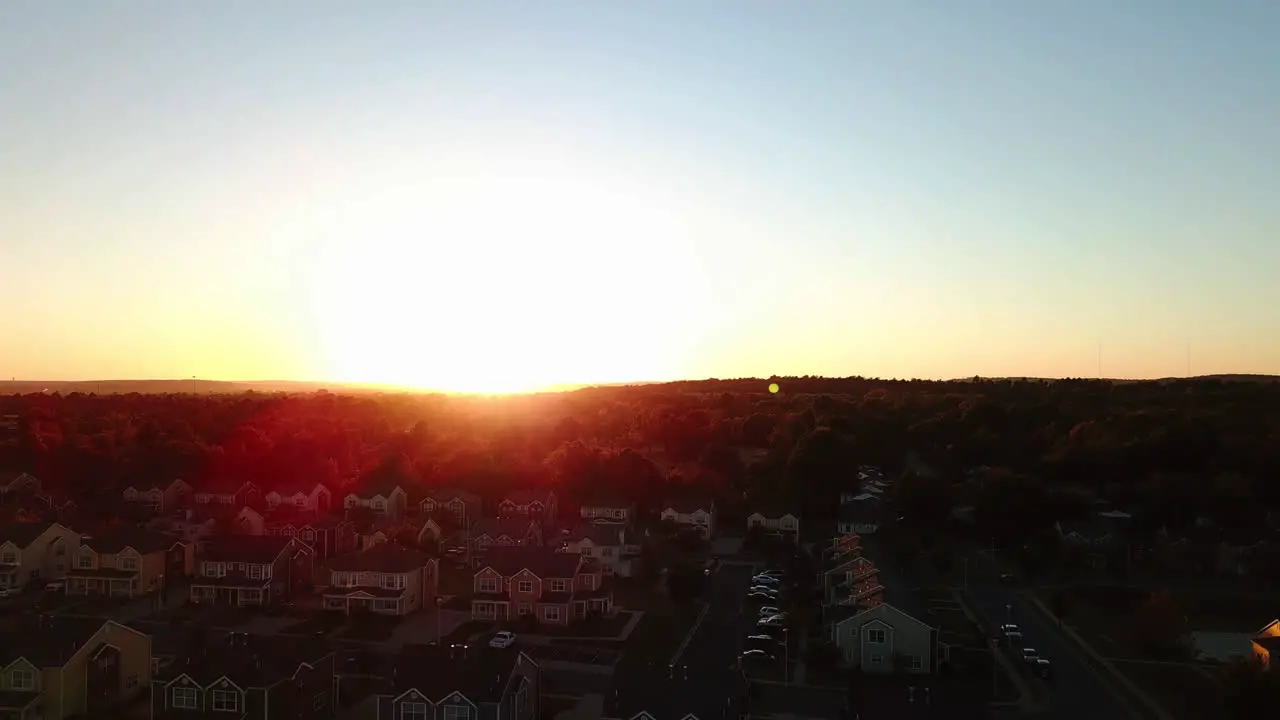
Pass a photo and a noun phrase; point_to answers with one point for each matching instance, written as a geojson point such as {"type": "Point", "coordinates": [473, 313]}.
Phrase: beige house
{"type": "Point", "coordinates": [388, 579]}
{"type": "Point", "coordinates": [698, 515]}
{"type": "Point", "coordinates": [127, 563]}
{"type": "Point", "coordinates": [783, 524]}
{"type": "Point", "coordinates": [58, 667]}
{"type": "Point", "coordinates": [35, 551]}
{"type": "Point", "coordinates": [607, 544]}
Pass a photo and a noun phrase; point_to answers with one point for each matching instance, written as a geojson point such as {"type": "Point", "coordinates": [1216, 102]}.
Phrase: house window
{"type": "Point", "coordinates": [128, 563]}
{"type": "Point", "coordinates": [309, 535]}
{"type": "Point", "coordinates": [255, 572]}
{"type": "Point", "coordinates": [525, 609]}
{"type": "Point", "coordinates": [10, 558]}
{"type": "Point", "coordinates": [917, 662]}
{"type": "Point", "coordinates": [22, 679]}
{"type": "Point", "coordinates": [525, 586]}
{"type": "Point", "coordinates": [84, 562]}
{"type": "Point", "coordinates": [186, 699]}
{"type": "Point", "coordinates": [875, 636]}
{"type": "Point", "coordinates": [488, 585]}
{"type": "Point", "coordinates": [379, 505]}
{"type": "Point", "coordinates": [131, 681]}
{"type": "Point", "coordinates": [551, 614]}
{"type": "Point", "coordinates": [877, 659]}
{"type": "Point", "coordinates": [213, 570]}
{"type": "Point", "coordinates": [395, 582]}
{"type": "Point", "coordinates": [559, 586]}
{"type": "Point", "coordinates": [607, 552]}
{"type": "Point", "coordinates": [457, 712]}
{"type": "Point", "coordinates": [226, 701]}
{"type": "Point", "coordinates": [318, 702]}
{"type": "Point", "coordinates": [385, 604]}
{"type": "Point", "coordinates": [60, 549]}
{"type": "Point", "coordinates": [413, 711]}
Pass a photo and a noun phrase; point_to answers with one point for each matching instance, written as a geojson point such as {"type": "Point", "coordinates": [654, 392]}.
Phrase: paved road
{"type": "Point", "coordinates": [1076, 691]}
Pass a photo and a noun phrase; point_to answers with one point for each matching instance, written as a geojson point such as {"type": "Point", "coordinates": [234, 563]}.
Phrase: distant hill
{"type": "Point", "coordinates": [201, 387]}
{"type": "Point", "coordinates": [1238, 377]}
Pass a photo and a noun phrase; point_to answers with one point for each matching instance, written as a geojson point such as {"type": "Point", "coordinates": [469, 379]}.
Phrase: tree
{"type": "Point", "coordinates": [1161, 626]}
{"type": "Point", "coordinates": [684, 582]}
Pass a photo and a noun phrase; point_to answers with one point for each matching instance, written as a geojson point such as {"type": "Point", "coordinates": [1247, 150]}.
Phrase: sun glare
{"type": "Point", "coordinates": [509, 279]}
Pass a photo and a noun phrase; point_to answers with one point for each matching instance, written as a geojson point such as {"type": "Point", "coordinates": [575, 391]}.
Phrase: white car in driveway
{"type": "Point", "coordinates": [1030, 656]}
{"type": "Point", "coordinates": [769, 611]}
{"type": "Point", "coordinates": [768, 580]}
{"type": "Point", "coordinates": [503, 639]}
{"type": "Point", "coordinates": [772, 621]}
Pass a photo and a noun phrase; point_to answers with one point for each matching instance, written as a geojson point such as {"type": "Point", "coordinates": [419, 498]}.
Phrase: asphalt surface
{"type": "Point", "coordinates": [711, 657]}
{"type": "Point", "coordinates": [1076, 690]}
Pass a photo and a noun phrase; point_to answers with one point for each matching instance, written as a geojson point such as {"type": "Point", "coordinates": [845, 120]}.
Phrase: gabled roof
{"type": "Point", "coordinates": [8, 476]}
{"type": "Point", "coordinates": [22, 534]}
{"type": "Point", "coordinates": [249, 661]}
{"type": "Point", "coordinates": [142, 541]}
{"type": "Point", "coordinates": [542, 562]}
{"type": "Point", "coordinates": [773, 510]}
{"type": "Point", "coordinates": [222, 486]}
{"type": "Point", "coordinates": [525, 496]}
{"type": "Point", "coordinates": [50, 640]}
{"type": "Point", "coordinates": [888, 614]}
{"type": "Point", "coordinates": [385, 557]}
{"type": "Point", "coordinates": [477, 673]}
{"type": "Point", "coordinates": [687, 504]}
{"type": "Point", "coordinates": [444, 495]}
{"type": "Point", "coordinates": [289, 489]}
{"type": "Point", "coordinates": [253, 549]}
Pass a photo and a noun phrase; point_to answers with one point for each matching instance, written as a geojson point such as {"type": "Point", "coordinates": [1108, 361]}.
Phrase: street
{"type": "Point", "coordinates": [1076, 690]}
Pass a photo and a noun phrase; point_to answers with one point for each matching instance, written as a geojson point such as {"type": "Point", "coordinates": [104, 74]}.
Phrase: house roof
{"type": "Point", "coordinates": [513, 527]}
{"type": "Point", "coordinates": [385, 557]}
{"type": "Point", "coordinates": [249, 661]}
{"type": "Point", "coordinates": [143, 541]}
{"type": "Point", "coordinates": [772, 509]}
{"type": "Point", "coordinates": [8, 476]}
{"type": "Point", "coordinates": [479, 673]}
{"type": "Point", "coordinates": [22, 534]}
{"type": "Point", "coordinates": [254, 549]}
{"type": "Point", "coordinates": [887, 613]}
{"type": "Point", "coordinates": [688, 503]}
{"type": "Point", "coordinates": [47, 640]}
{"type": "Point", "coordinates": [543, 562]}
{"type": "Point", "coordinates": [222, 486]}
{"type": "Point", "coordinates": [525, 496]}
{"type": "Point", "coordinates": [444, 495]}
{"type": "Point", "coordinates": [289, 489]}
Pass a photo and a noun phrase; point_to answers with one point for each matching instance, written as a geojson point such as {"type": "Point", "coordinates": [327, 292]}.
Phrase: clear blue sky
{"type": "Point", "coordinates": [500, 195]}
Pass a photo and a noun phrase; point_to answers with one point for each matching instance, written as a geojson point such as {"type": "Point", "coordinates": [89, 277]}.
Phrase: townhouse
{"type": "Point", "coordinates": [554, 588]}
{"type": "Point", "coordinates": [435, 682]}
{"type": "Point", "coordinates": [251, 570]}
{"type": "Point", "coordinates": [607, 544]}
{"type": "Point", "coordinates": [381, 498]}
{"type": "Point", "coordinates": [606, 505]}
{"type": "Point", "coordinates": [155, 499]}
{"type": "Point", "coordinates": [463, 506]}
{"type": "Point", "coordinates": [55, 667]}
{"type": "Point", "coordinates": [691, 513]}
{"type": "Point", "coordinates": [302, 497]}
{"type": "Point", "coordinates": [777, 521]}
{"type": "Point", "coordinates": [246, 677]}
{"type": "Point", "coordinates": [388, 579]}
{"type": "Point", "coordinates": [127, 562]}
{"type": "Point", "coordinates": [228, 492]}
{"type": "Point", "coordinates": [884, 639]}
{"type": "Point", "coordinates": [326, 535]}
{"type": "Point", "coordinates": [517, 530]}
{"type": "Point", "coordinates": [35, 551]}
{"type": "Point", "coordinates": [534, 503]}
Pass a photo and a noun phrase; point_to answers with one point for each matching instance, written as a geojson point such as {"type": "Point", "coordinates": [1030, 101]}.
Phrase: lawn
{"type": "Point", "coordinates": [374, 628]}
{"type": "Point", "coordinates": [1183, 692]}
{"type": "Point", "coordinates": [600, 627]}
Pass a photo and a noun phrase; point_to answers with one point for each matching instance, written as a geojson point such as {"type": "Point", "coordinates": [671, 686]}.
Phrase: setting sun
{"type": "Point", "coordinates": [511, 275]}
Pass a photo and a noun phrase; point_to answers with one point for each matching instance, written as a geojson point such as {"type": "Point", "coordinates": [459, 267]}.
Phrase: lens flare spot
{"type": "Point", "coordinates": [773, 388]}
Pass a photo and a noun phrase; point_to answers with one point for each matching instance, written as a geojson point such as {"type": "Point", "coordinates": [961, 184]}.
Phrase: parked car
{"type": "Point", "coordinates": [1006, 629]}
{"type": "Point", "coordinates": [55, 586]}
{"type": "Point", "coordinates": [1008, 578]}
{"type": "Point", "coordinates": [765, 580]}
{"type": "Point", "coordinates": [763, 589]}
{"type": "Point", "coordinates": [771, 573]}
{"type": "Point", "coordinates": [503, 639]}
{"type": "Point", "coordinates": [757, 655]}
{"type": "Point", "coordinates": [762, 597]}
{"type": "Point", "coordinates": [9, 592]}
{"type": "Point", "coordinates": [1042, 668]}
{"type": "Point", "coordinates": [1030, 656]}
{"type": "Point", "coordinates": [771, 622]}
{"type": "Point", "coordinates": [763, 642]}
{"type": "Point", "coordinates": [768, 611]}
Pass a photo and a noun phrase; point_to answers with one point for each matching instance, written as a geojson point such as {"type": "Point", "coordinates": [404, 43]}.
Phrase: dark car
{"type": "Point", "coordinates": [1042, 668]}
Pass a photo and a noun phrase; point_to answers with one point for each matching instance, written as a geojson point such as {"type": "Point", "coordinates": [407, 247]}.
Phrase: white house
{"type": "Point", "coordinates": [608, 544]}
{"type": "Point", "coordinates": [781, 523]}
{"type": "Point", "coordinates": [307, 498]}
{"type": "Point", "coordinates": [699, 515]}
{"type": "Point", "coordinates": [885, 639]}
{"type": "Point", "coordinates": [384, 501]}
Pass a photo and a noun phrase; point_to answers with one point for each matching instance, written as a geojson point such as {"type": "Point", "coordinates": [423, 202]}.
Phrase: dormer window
{"type": "Point", "coordinates": [22, 679]}
{"type": "Point", "coordinates": [457, 712]}
{"type": "Point", "coordinates": [185, 698]}
{"type": "Point", "coordinates": [226, 701]}
{"type": "Point", "coordinates": [129, 563]}
{"type": "Point", "coordinates": [413, 711]}
{"type": "Point", "coordinates": [84, 562]}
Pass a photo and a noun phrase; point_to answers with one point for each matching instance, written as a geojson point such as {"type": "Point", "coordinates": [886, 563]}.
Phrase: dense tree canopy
{"type": "Point", "coordinates": [1177, 447]}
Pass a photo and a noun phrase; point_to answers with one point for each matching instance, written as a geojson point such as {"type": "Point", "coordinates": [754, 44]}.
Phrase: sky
{"type": "Point", "coordinates": [500, 196]}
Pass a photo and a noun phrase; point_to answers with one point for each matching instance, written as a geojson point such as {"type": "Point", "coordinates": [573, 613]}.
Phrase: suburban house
{"type": "Point", "coordinates": [251, 570]}
{"type": "Point", "coordinates": [852, 580]}
{"type": "Point", "coordinates": [303, 497]}
{"type": "Point", "coordinates": [691, 513]}
{"type": "Point", "coordinates": [607, 544]}
{"type": "Point", "coordinates": [127, 563]}
{"type": "Point", "coordinates": [533, 503]}
{"type": "Point", "coordinates": [1267, 642]}
{"type": "Point", "coordinates": [860, 516]}
{"type": "Point", "coordinates": [55, 667]}
{"type": "Point", "coordinates": [514, 582]}
{"type": "Point", "coordinates": [326, 535]}
{"type": "Point", "coordinates": [159, 499]}
{"type": "Point", "coordinates": [35, 551]}
{"type": "Point", "coordinates": [506, 532]}
{"type": "Point", "coordinates": [229, 492]}
{"type": "Point", "coordinates": [442, 529]}
{"type": "Point", "coordinates": [14, 483]}
{"type": "Point", "coordinates": [388, 579]}
{"type": "Point", "coordinates": [607, 506]}
{"type": "Point", "coordinates": [246, 676]}
{"type": "Point", "coordinates": [383, 499]}
{"type": "Point", "coordinates": [885, 639]}
{"type": "Point", "coordinates": [775, 521]}
{"type": "Point", "coordinates": [462, 505]}
{"type": "Point", "coordinates": [457, 682]}
{"type": "Point", "coordinates": [246, 521]}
